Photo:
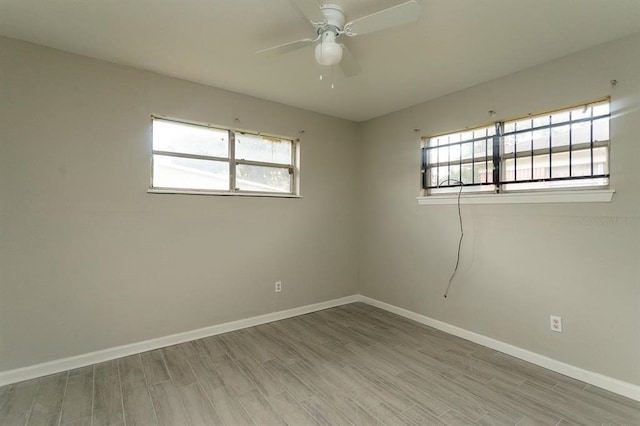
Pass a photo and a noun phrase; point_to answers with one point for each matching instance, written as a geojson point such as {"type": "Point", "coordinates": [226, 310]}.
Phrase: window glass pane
{"type": "Point", "coordinates": [560, 136]}
{"type": "Point", "coordinates": [465, 136]}
{"type": "Point", "coordinates": [481, 174]}
{"type": "Point", "coordinates": [454, 152]}
{"type": "Point", "coordinates": [601, 129]}
{"type": "Point", "coordinates": [443, 154]}
{"type": "Point", "coordinates": [560, 117]}
{"type": "Point", "coordinates": [581, 112]}
{"type": "Point", "coordinates": [560, 164]}
{"type": "Point", "coordinates": [454, 174]}
{"type": "Point", "coordinates": [433, 177]}
{"type": "Point", "coordinates": [523, 124]}
{"type": "Point", "coordinates": [508, 143]}
{"type": "Point", "coordinates": [509, 170]}
{"type": "Point", "coordinates": [432, 156]}
{"type": "Point", "coordinates": [262, 179]}
{"type": "Point", "coordinates": [443, 176]}
{"type": "Point", "coordinates": [542, 120]}
{"type": "Point", "coordinates": [601, 109]}
{"type": "Point", "coordinates": [480, 133]}
{"type": "Point", "coordinates": [580, 132]}
{"type": "Point", "coordinates": [541, 168]}
{"type": "Point", "coordinates": [453, 138]}
{"type": "Point", "coordinates": [189, 139]}
{"type": "Point", "coordinates": [467, 173]}
{"type": "Point", "coordinates": [480, 148]}
{"type": "Point", "coordinates": [601, 161]}
{"type": "Point", "coordinates": [523, 141]}
{"type": "Point", "coordinates": [581, 163]}
{"type": "Point", "coordinates": [523, 168]}
{"type": "Point", "coordinates": [541, 139]}
{"type": "Point", "coordinates": [260, 148]}
{"type": "Point", "coordinates": [509, 127]}
{"type": "Point", "coordinates": [189, 173]}
{"type": "Point", "coordinates": [467, 150]}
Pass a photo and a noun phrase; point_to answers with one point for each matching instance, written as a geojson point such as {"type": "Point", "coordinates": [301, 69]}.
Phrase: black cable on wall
{"type": "Point", "coordinates": [446, 293]}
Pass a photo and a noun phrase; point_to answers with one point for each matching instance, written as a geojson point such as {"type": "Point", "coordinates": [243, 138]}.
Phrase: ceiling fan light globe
{"type": "Point", "coordinates": [328, 53]}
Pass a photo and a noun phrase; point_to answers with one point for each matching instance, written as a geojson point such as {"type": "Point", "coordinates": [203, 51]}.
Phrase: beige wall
{"type": "Point", "coordinates": [520, 263]}
{"type": "Point", "coordinates": [89, 260]}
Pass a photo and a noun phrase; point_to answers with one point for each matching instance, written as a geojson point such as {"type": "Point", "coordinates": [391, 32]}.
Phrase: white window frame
{"type": "Point", "coordinates": [496, 191]}
{"type": "Point", "coordinates": [293, 166]}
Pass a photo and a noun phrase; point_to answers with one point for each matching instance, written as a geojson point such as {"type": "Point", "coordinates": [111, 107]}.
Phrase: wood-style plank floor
{"type": "Point", "coordinates": [351, 365]}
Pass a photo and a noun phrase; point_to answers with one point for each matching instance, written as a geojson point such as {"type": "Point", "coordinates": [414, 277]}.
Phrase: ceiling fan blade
{"type": "Point", "coordinates": [310, 9]}
{"type": "Point", "coordinates": [348, 63]}
{"type": "Point", "coordinates": [286, 48]}
{"type": "Point", "coordinates": [397, 15]}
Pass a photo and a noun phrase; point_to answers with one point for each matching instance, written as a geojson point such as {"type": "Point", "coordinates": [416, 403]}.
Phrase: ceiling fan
{"type": "Point", "coordinates": [329, 23]}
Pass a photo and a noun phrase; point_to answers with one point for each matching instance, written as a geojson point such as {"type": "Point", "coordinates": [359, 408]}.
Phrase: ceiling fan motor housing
{"type": "Point", "coordinates": [334, 15]}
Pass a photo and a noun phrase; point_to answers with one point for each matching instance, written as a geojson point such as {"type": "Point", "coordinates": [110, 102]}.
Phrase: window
{"type": "Point", "coordinates": [198, 158]}
{"type": "Point", "coordinates": [562, 149]}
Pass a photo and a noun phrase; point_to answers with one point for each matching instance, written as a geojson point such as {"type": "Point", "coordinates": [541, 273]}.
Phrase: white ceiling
{"type": "Point", "coordinates": [455, 44]}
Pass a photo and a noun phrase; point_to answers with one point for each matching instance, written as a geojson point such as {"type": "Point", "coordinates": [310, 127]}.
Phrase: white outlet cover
{"type": "Point", "coordinates": [555, 322]}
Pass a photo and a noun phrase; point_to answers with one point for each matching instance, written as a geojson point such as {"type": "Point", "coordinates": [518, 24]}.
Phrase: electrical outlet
{"type": "Point", "coordinates": [556, 323]}
{"type": "Point", "coordinates": [278, 286]}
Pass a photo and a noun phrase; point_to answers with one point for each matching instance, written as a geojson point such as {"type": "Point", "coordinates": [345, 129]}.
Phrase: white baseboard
{"type": "Point", "coordinates": [59, 365]}
{"type": "Point", "coordinates": [600, 380]}
{"type": "Point", "coordinates": [614, 385]}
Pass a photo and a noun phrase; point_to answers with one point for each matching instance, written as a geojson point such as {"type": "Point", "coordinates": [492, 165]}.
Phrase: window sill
{"type": "Point", "coordinates": [542, 197]}
{"type": "Point", "coordinates": [222, 193]}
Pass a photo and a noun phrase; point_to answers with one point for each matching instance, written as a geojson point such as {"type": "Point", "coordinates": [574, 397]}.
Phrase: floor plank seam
{"type": "Point", "coordinates": [64, 395]}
